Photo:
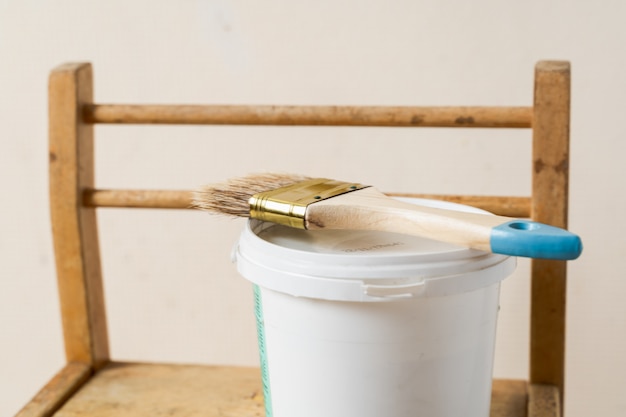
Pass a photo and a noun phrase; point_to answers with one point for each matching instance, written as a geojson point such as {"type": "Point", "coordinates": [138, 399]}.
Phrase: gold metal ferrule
{"type": "Point", "coordinates": [287, 205]}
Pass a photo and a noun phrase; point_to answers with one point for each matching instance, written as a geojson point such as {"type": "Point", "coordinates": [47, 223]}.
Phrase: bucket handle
{"type": "Point", "coordinates": [414, 289]}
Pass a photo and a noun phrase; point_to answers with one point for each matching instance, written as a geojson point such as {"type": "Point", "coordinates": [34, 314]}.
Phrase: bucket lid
{"type": "Point", "coordinates": [353, 265]}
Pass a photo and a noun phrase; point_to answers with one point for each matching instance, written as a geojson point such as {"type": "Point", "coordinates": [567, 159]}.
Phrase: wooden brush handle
{"type": "Point", "coordinates": [369, 209]}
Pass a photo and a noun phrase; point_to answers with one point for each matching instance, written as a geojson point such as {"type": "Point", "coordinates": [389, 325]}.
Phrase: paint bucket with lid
{"type": "Point", "coordinates": [372, 324]}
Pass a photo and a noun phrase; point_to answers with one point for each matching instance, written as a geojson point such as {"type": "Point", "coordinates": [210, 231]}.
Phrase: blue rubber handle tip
{"type": "Point", "coordinates": [535, 240]}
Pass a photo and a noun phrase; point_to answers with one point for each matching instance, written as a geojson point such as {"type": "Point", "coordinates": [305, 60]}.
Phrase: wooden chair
{"type": "Point", "coordinates": [92, 384]}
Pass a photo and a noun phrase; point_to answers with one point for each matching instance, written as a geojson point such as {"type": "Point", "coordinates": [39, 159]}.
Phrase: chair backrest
{"type": "Point", "coordinates": [74, 197]}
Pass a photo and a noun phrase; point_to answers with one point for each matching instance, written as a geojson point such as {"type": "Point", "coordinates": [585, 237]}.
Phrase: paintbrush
{"type": "Point", "coordinates": [324, 204]}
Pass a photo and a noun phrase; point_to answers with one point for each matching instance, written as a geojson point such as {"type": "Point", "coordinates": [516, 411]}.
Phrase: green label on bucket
{"type": "Point", "coordinates": [260, 327]}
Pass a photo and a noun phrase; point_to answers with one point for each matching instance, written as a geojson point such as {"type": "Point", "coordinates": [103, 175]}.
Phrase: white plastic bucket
{"type": "Point", "coordinates": [372, 324]}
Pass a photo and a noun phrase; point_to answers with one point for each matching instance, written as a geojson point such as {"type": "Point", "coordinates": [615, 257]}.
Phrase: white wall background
{"type": "Point", "coordinates": [172, 294]}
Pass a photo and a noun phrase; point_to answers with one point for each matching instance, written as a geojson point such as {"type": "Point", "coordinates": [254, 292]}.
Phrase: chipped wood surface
{"type": "Point", "coordinates": [514, 117]}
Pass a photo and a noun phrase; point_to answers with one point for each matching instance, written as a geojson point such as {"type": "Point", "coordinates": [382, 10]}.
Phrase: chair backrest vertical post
{"type": "Point", "coordinates": [551, 121]}
{"type": "Point", "coordinates": [74, 225]}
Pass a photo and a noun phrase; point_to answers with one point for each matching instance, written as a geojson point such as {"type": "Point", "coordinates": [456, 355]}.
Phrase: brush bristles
{"type": "Point", "coordinates": [231, 197]}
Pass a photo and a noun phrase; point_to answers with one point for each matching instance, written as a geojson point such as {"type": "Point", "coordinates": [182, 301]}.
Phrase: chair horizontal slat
{"type": "Point", "coordinates": [165, 199]}
{"type": "Point", "coordinates": [500, 205]}
{"type": "Point", "coordinates": [511, 117]}
{"type": "Point", "coordinates": [181, 199]}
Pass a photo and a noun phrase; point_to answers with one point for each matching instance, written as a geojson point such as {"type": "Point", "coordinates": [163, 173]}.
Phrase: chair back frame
{"type": "Point", "coordinates": [74, 197]}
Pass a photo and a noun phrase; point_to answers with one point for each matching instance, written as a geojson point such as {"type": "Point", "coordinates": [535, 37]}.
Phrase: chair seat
{"type": "Point", "coordinates": [142, 389]}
